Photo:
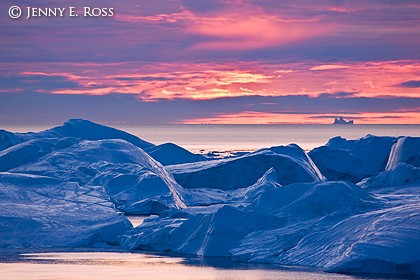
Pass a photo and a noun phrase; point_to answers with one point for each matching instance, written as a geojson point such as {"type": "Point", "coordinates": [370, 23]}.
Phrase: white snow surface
{"type": "Point", "coordinates": [64, 187]}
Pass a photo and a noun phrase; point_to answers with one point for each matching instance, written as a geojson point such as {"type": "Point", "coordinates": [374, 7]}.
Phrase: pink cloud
{"type": "Point", "coordinates": [242, 32]}
{"type": "Point", "coordinates": [246, 27]}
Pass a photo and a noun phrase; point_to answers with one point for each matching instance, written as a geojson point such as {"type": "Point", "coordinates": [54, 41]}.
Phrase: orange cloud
{"type": "Point", "coordinates": [193, 84]}
{"type": "Point", "coordinates": [328, 67]}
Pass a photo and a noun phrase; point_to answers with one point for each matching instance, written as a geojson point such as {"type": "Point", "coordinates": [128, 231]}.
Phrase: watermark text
{"type": "Point", "coordinates": [17, 12]}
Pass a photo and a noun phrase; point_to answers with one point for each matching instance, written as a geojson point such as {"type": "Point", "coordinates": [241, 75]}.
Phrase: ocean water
{"type": "Point", "coordinates": [205, 138]}
{"type": "Point", "coordinates": [127, 266]}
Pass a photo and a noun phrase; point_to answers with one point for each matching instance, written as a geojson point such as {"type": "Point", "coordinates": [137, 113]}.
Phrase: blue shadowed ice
{"type": "Point", "coordinates": [351, 206]}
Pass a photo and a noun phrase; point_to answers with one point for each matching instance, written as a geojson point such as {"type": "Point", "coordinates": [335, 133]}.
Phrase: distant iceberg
{"type": "Point", "coordinates": [341, 120]}
{"type": "Point", "coordinates": [351, 206]}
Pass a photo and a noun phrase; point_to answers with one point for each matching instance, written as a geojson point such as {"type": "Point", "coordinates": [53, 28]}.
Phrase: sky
{"type": "Point", "coordinates": [219, 61]}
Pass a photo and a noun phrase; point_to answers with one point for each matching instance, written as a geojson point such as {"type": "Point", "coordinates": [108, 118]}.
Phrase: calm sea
{"type": "Point", "coordinates": [131, 265]}
{"type": "Point", "coordinates": [204, 138]}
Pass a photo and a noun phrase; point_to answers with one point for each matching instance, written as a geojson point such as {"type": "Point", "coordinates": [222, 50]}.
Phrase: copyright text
{"type": "Point", "coordinates": [16, 12]}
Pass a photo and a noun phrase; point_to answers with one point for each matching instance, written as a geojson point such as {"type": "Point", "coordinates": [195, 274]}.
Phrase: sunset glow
{"type": "Point", "coordinates": [184, 52]}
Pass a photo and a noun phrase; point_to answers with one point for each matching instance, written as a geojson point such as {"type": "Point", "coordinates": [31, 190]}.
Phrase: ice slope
{"type": "Point", "coordinates": [136, 183]}
{"type": "Point", "coordinates": [401, 175]}
{"type": "Point", "coordinates": [290, 163]}
{"type": "Point", "coordinates": [38, 211]}
{"type": "Point", "coordinates": [353, 160]}
{"type": "Point", "coordinates": [170, 154]}
{"type": "Point", "coordinates": [407, 149]}
{"type": "Point", "coordinates": [139, 190]}
{"type": "Point", "coordinates": [308, 200]}
{"type": "Point", "coordinates": [386, 241]}
{"type": "Point", "coordinates": [356, 231]}
{"type": "Point", "coordinates": [211, 234]}
{"type": "Point", "coordinates": [8, 139]}
{"type": "Point", "coordinates": [387, 237]}
{"type": "Point", "coordinates": [87, 130]}
{"type": "Point", "coordinates": [203, 197]}
{"type": "Point", "coordinates": [228, 225]}
{"type": "Point", "coordinates": [25, 152]}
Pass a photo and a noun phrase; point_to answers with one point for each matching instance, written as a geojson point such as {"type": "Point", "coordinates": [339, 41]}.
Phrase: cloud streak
{"type": "Point", "coordinates": [156, 81]}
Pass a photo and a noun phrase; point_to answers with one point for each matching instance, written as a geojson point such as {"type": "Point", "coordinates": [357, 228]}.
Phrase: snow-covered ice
{"type": "Point", "coordinates": [351, 206]}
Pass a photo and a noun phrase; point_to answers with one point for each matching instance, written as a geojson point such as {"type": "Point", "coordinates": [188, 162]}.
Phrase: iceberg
{"type": "Point", "coordinates": [351, 206]}
{"type": "Point", "coordinates": [353, 160]}
{"type": "Point", "coordinates": [87, 130]}
{"type": "Point", "coordinates": [290, 162]}
{"type": "Point", "coordinates": [407, 149]}
{"type": "Point", "coordinates": [40, 211]}
{"type": "Point", "coordinates": [341, 120]}
{"type": "Point", "coordinates": [136, 183]}
{"type": "Point", "coordinates": [167, 154]}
